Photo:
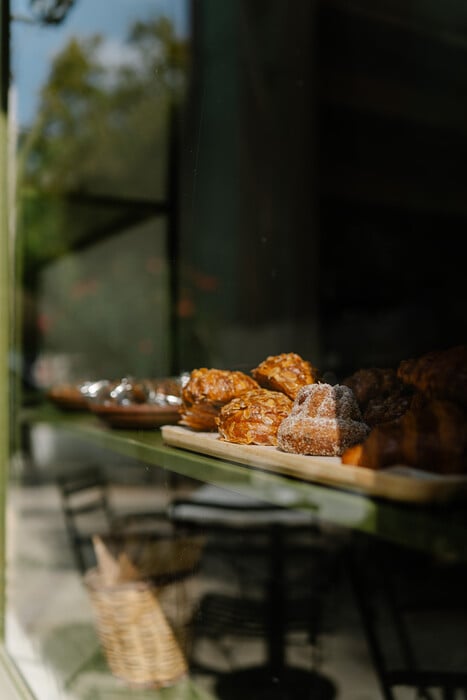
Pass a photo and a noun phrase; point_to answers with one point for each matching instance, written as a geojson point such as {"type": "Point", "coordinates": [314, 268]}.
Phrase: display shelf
{"type": "Point", "coordinates": [440, 529]}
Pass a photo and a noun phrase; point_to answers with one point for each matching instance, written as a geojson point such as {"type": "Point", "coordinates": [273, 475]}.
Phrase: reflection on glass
{"type": "Point", "coordinates": [94, 169]}
{"type": "Point", "coordinates": [96, 97]}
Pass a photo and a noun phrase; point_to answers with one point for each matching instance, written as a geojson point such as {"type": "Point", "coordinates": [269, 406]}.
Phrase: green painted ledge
{"type": "Point", "coordinates": [438, 529]}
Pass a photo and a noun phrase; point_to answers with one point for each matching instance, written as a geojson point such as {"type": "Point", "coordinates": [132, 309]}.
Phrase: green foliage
{"type": "Point", "coordinates": [98, 141]}
{"type": "Point", "coordinates": [100, 130]}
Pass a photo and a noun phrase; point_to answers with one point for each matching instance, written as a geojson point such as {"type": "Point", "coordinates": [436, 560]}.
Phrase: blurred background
{"type": "Point", "coordinates": [205, 183]}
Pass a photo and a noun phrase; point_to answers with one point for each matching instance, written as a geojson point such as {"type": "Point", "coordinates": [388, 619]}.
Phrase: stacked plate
{"type": "Point", "coordinates": [126, 403]}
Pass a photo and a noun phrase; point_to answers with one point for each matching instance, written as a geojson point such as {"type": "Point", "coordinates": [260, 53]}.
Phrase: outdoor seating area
{"type": "Point", "coordinates": [269, 589]}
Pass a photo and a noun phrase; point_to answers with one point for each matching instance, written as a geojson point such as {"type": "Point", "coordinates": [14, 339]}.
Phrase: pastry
{"type": "Point", "coordinates": [324, 420]}
{"type": "Point", "coordinates": [385, 409]}
{"type": "Point", "coordinates": [253, 418]}
{"type": "Point", "coordinates": [430, 436]}
{"type": "Point", "coordinates": [439, 374]}
{"type": "Point", "coordinates": [380, 394]}
{"type": "Point", "coordinates": [287, 373]}
{"type": "Point", "coordinates": [373, 383]}
{"type": "Point", "coordinates": [206, 391]}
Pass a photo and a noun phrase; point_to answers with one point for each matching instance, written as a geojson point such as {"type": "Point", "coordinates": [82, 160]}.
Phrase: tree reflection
{"type": "Point", "coordinates": [94, 163]}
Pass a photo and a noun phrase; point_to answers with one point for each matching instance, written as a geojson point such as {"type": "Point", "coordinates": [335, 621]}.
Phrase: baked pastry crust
{"type": "Point", "coordinates": [385, 409]}
{"type": "Point", "coordinates": [206, 391]}
{"type": "Point", "coordinates": [439, 374]}
{"type": "Point", "coordinates": [287, 373]}
{"type": "Point", "coordinates": [380, 393]}
{"type": "Point", "coordinates": [431, 436]}
{"type": "Point", "coordinates": [324, 420]}
{"type": "Point", "coordinates": [373, 383]}
{"type": "Point", "coordinates": [254, 418]}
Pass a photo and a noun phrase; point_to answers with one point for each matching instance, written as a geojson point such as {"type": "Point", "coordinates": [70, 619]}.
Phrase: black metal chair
{"type": "Point", "coordinates": [257, 541]}
{"type": "Point", "coordinates": [393, 588]}
{"type": "Point", "coordinates": [88, 510]}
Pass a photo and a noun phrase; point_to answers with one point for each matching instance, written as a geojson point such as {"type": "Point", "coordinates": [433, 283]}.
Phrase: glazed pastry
{"type": "Point", "coordinates": [324, 420]}
{"type": "Point", "coordinates": [430, 436]}
{"type": "Point", "coordinates": [287, 373]}
{"type": "Point", "coordinates": [253, 418]}
{"type": "Point", "coordinates": [206, 391]}
{"type": "Point", "coordinates": [441, 374]}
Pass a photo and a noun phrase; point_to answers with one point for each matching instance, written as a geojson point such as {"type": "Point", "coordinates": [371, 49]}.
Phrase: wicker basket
{"type": "Point", "coordinates": [141, 626]}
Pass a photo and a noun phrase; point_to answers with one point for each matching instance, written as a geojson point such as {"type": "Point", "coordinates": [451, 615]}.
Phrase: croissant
{"type": "Point", "coordinates": [431, 436]}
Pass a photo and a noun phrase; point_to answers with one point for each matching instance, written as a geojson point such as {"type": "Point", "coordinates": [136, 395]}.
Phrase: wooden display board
{"type": "Point", "coordinates": [399, 483]}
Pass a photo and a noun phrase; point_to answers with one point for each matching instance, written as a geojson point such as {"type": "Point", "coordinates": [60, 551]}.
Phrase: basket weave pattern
{"type": "Point", "coordinates": [142, 647]}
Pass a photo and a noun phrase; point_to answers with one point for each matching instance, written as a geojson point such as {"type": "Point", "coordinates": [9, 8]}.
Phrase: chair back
{"type": "Point", "coordinates": [86, 510]}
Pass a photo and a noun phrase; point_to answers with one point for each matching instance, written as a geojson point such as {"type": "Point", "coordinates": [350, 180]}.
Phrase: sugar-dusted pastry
{"type": "Point", "coordinates": [253, 418]}
{"type": "Point", "coordinates": [206, 391]}
{"type": "Point", "coordinates": [287, 372]}
{"type": "Point", "coordinates": [324, 420]}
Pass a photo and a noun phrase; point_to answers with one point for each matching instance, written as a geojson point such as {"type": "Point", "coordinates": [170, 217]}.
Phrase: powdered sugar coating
{"type": "Point", "coordinates": [324, 420]}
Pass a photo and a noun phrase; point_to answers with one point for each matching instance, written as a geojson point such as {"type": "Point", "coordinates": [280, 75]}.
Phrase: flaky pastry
{"type": "Point", "coordinates": [206, 391]}
{"type": "Point", "coordinates": [287, 373]}
{"type": "Point", "coordinates": [253, 418]}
